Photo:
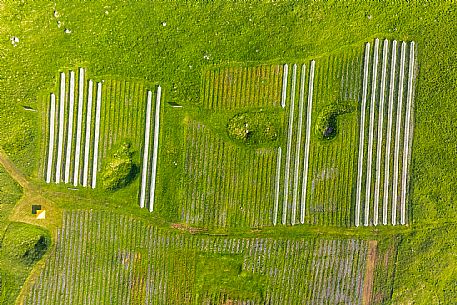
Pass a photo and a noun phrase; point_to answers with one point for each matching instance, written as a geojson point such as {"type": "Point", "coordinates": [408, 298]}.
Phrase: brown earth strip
{"type": "Point", "coordinates": [369, 272]}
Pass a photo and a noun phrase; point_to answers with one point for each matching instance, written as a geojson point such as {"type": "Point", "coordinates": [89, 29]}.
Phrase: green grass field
{"type": "Point", "coordinates": [216, 59]}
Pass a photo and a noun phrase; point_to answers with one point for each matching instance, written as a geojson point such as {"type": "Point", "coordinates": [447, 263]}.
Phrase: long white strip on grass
{"type": "Point", "coordinates": [398, 133]}
{"type": "Point", "coordinates": [96, 135]}
{"type": "Point", "coordinates": [285, 75]}
{"type": "Point", "coordinates": [393, 64]}
{"type": "Point", "coordinates": [70, 127]}
{"type": "Point", "coordinates": [298, 146]}
{"type": "Point", "coordinates": [146, 150]}
{"type": "Point", "coordinates": [380, 132]}
{"type": "Point", "coordinates": [407, 140]}
{"type": "Point", "coordinates": [52, 127]}
{"type": "Point", "coordinates": [88, 125]}
{"type": "Point", "coordinates": [289, 146]}
{"type": "Point", "coordinates": [362, 134]}
{"type": "Point", "coordinates": [278, 177]}
{"type": "Point", "coordinates": [370, 131]}
{"type": "Point", "coordinates": [79, 126]}
{"type": "Point", "coordinates": [61, 127]}
{"type": "Point", "coordinates": [155, 150]}
{"type": "Point", "coordinates": [309, 111]}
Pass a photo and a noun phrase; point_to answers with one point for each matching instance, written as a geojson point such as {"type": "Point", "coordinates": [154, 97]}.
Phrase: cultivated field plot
{"type": "Point", "coordinates": [385, 133]}
{"type": "Point", "coordinates": [73, 131]}
{"type": "Point", "coordinates": [238, 87]}
{"type": "Point", "coordinates": [86, 119]}
{"type": "Point", "coordinates": [358, 177]}
{"type": "Point", "coordinates": [224, 184]}
{"type": "Point", "coordinates": [102, 258]}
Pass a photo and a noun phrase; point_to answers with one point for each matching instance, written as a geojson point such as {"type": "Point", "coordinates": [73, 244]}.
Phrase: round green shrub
{"type": "Point", "coordinates": [25, 242]}
{"type": "Point", "coordinates": [327, 121]}
{"type": "Point", "coordinates": [119, 169]}
{"type": "Point", "coordinates": [253, 128]}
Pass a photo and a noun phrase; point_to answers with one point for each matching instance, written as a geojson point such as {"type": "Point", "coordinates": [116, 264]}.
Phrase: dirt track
{"type": "Point", "coordinates": [369, 272]}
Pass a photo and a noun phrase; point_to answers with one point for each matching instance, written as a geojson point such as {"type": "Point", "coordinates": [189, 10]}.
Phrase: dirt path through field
{"type": "Point", "coordinates": [369, 272]}
{"type": "Point", "coordinates": [15, 173]}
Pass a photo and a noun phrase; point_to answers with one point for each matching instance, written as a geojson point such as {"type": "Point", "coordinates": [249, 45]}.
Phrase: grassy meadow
{"type": "Point", "coordinates": [184, 46]}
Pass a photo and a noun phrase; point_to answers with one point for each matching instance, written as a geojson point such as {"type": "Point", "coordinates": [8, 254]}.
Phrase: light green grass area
{"type": "Point", "coordinates": [183, 46]}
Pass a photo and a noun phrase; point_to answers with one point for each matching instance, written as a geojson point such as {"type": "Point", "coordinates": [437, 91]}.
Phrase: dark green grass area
{"type": "Point", "coordinates": [172, 42]}
{"type": "Point", "coordinates": [21, 245]}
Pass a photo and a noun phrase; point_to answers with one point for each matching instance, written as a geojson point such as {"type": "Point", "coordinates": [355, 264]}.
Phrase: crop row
{"type": "Point", "coordinates": [72, 154]}
{"type": "Point", "coordinates": [123, 119]}
{"type": "Point", "coordinates": [102, 258]}
{"type": "Point", "coordinates": [382, 175]}
{"type": "Point", "coordinates": [237, 87]}
{"type": "Point", "coordinates": [149, 161]}
{"type": "Point", "coordinates": [226, 185]}
{"type": "Point", "coordinates": [294, 177]}
{"type": "Point", "coordinates": [329, 194]}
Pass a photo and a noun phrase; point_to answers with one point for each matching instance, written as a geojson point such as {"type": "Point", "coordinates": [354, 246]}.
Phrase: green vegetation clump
{"type": "Point", "coordinates": [327, 121]}
{"type": "Point", "coordinates": [223, 274]}
{"type": "Point", "coordinates": [25, 243]}
{"type": "Point", "coordinates": [253, 128]}
{"type": "Point", "coordinates": [119, 170]}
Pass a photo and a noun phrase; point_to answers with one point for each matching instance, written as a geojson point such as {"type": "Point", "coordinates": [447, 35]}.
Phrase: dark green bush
{"type": "Point", "coordinates": [253, 128]}
{"type": "Point", "coordinates": [327, 121]}
{"type": "Point", "coordinates": [119, 170]}
{"type": "Point", "coordinates": [25, 242]}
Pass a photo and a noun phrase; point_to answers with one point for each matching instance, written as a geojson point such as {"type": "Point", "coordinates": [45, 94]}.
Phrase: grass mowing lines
{"type": "Point", "coordinates": [371, 131]}
{"type": "Point", "coordinates": [70, 127]}
{"type": "Point", "coordinates": [309, 110]}
{"type": "Point", "coordinates": [362, 135]}
{"type": "Point", "coordinates": [289, 146]}
{"type": "Point", "coordinates": [385, 50]}
{"type": "Point", "coordinates": [79, 126]}
{"type": "Point", "coordinates": [61, 127]}
{"type": "Point", "coordinates": [96, 135]}
{"type": "Point", "coordinates": [407, 137]}
{"type": "Point", "coordinates": [52, 129]}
